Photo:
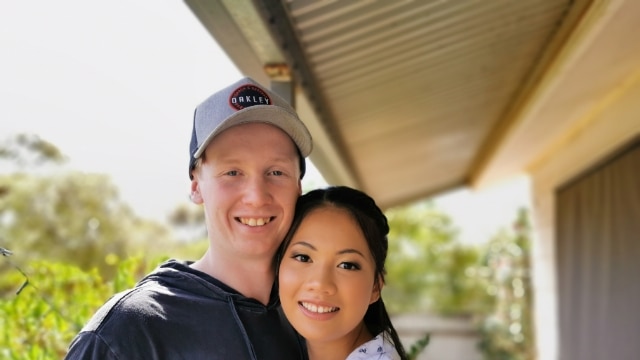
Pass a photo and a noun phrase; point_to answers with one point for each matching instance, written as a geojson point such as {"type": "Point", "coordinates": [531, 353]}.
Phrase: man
{"type": "Point", "coordinates": [247, 160]}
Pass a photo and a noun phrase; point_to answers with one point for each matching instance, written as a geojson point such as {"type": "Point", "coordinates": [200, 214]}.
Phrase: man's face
{"type": "Point", "coordinates": [249, 183]}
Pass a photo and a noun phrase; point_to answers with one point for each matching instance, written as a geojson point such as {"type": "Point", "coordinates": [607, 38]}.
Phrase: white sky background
{"type": "Point", "coordinates": [114, 84]}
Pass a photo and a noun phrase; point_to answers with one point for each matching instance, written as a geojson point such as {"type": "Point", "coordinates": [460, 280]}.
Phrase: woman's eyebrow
{"type": "Point", "coordinates": [350, 251]}
{"type": "Point", "coordinates": [305, 244]}
{"type": "Point", "coordinates": [341, 252]}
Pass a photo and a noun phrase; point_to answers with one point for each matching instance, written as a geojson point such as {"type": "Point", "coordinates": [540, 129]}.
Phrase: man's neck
{"type": "Point", "coordinates": [252, 278]}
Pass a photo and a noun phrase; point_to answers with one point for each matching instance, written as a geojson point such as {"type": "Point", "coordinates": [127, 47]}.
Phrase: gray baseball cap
{"type": "Point", "coordinates": [242, 102]}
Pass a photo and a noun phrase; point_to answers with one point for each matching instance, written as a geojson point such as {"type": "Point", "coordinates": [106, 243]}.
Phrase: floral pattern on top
{"type": "Point", "coordinates": [374, 349]}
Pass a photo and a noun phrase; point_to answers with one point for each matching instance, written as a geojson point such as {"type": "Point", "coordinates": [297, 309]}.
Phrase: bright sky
{"type": "Point", "coordinates": [114, 84]}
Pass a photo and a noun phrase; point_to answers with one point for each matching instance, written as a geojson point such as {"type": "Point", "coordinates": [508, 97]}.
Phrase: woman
{"type": "Point", "coordinates": [331, 273]}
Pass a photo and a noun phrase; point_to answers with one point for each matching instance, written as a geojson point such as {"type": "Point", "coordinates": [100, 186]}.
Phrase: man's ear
{"type": "Point", "coordinates": [195, 196]}
{"type": "Point", "coordinates": [377, 289]}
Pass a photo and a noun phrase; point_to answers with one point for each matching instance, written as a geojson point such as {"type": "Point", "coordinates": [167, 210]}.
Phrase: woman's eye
{"type": "Point", "coordinates": [232, 172]}
{"type": "Point", "coordinates": [349, 266]}
{"type": "Point", "coordinates": [301, 258]}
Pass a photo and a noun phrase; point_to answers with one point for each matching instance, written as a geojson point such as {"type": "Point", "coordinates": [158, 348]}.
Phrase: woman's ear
{"type": "Point", "coordinates": [195, 196]}
{"type": "Point", "coordinates": [377, 289]}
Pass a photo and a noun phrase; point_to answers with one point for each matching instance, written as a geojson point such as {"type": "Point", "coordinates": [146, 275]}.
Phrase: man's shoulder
{"type": "Point", "coordinates": [97, 337]}
{"type": "Point", "coordinates": [133, 302]}
{"type": "Point", "coordinates": [158, 298]}
{"type": "Point", "coordinates": [166, 307]}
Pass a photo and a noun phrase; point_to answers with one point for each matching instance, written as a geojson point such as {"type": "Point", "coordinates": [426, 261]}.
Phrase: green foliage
{"type": "Point", "coordinates": [78, 243]}
{"type": "Point", "coordinates": [427, 269]}
{"type": "Point", "coordinates": [507, 331]}
{"type": "Point", "coordinates": [51, 213]}
{"type": "Point", "coordinates": [78, 220]}
{"type": "Point", "coordinates": [40, 321]}
{"type": "Point", "coordinates": [188, 222]}
{"type": "Point", "coordinates": [72, 217]}
{"type": "Point", "coordinates": [418, 347]}
{"type": "Point", "coordinates": [29, 149]}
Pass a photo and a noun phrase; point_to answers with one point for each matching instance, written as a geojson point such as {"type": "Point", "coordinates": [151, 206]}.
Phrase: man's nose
{"type": "Point", "coordinates": [257, 192]}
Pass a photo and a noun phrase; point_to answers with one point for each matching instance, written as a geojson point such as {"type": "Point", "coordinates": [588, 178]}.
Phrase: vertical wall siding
{"type": "Point", "coordinates": [598, 261]}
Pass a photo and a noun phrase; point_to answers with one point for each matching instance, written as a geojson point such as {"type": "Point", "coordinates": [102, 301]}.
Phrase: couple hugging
{"type": "Point", "coordinates": [286, 276]}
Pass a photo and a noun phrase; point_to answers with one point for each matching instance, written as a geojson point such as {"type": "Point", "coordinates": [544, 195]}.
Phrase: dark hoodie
{"type": "Point", "coordinates": [177, 312]}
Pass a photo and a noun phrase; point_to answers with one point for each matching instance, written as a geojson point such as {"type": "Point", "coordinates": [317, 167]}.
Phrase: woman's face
{"type": "Point", "coordinates": [327, 277]}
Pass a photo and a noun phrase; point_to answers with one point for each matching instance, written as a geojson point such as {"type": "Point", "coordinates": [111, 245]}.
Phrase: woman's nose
{"type": "Point", "coordinates": [322, 280]}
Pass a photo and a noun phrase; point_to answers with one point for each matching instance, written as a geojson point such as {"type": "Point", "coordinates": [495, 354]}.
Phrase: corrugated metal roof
{"type": "Point", "coordinates": [416, 86]}
{"type": "Point", "coordinates": [413, 98]}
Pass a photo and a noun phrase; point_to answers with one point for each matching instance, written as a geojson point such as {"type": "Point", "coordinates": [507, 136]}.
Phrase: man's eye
{"type": "Point", "coordinates": [277, 173]}
{"type": "Point", "coordinates": [302, 258]}
{"type": "Point", "coordinates": [349, 266]}
{"type": "Point", "coordinates": [232, 173]}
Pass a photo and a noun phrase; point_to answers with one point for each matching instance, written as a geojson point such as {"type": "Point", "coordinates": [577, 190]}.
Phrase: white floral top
{"type": "Point", "coordinates": [375, 349]}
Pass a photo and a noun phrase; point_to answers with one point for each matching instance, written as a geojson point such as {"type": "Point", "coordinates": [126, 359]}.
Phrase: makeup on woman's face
{"type": "Point", "coordinates": [326, 277]}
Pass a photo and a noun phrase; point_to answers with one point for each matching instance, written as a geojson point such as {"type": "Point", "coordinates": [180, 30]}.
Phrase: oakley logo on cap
{"type": "Point", "coordinates": [248, 95]}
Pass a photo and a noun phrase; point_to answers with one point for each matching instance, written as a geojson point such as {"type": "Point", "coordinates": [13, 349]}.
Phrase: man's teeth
{"type": "Point", "coordinates": [318, 309]}
{"type": "Point", "coordinates": [255, 221]}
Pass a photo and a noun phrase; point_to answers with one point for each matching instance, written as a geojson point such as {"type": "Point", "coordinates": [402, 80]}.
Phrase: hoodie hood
{"type": "Point", "coordinates": [178, 274]}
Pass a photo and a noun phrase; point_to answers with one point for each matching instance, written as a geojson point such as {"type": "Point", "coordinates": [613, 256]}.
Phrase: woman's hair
{"type": "Point", "coordinates": [375, 228]}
